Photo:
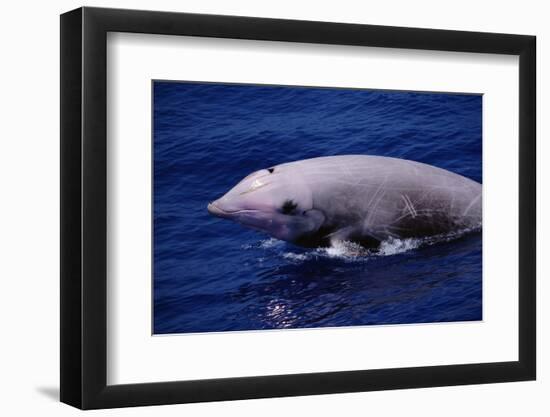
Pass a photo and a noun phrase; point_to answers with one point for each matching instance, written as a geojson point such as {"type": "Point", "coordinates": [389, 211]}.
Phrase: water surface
{"type": "Point", "coordinates": [213, 275]}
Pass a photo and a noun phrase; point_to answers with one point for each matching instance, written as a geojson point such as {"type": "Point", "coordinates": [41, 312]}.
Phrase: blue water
{"type": "Point", "coordinates": [214, 275]}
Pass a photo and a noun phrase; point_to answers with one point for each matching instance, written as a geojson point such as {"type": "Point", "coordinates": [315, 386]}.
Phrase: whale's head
{"type": "Point", "coordinates": [274, 200]}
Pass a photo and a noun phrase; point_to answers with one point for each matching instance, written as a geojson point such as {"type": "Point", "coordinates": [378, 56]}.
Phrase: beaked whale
{"type": "Point", "coordinates": [359, 198]}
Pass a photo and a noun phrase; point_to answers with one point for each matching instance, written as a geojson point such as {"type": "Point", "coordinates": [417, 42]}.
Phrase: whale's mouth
{"type": "Point", "coordinates": [217, 211]}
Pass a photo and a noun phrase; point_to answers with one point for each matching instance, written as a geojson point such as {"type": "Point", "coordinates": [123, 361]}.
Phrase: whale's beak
{"type": "Point", "coordinates": [220, 208]}
{"type": "Point", "coordinates": [215, 210]}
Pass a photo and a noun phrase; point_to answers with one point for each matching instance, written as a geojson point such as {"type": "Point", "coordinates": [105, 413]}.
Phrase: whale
{"type": "Point", "coordinates": [365, 199]}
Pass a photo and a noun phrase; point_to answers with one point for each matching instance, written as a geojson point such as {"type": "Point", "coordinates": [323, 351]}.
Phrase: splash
{"type": "Point", "coordinates": [345, 249]}
{"type": "Point", "coordinates": [353, 252]}
{"type": "Point", "coordinates": [394, 246]}
{"type": "Point", "coordinates": [342, 250]}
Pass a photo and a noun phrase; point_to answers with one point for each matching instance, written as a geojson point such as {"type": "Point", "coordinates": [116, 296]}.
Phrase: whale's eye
{"type": "Point", "coordinates": [288, 207]}
{"type": "Point", "coordinates": [271, 170]}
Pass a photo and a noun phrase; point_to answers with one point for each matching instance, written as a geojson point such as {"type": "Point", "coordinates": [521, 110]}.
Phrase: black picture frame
{"type": "Point", "coordinates": [84, 207]}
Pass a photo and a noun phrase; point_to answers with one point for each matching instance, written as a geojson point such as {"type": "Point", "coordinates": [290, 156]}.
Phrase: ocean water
{"type": "Point", "coordinates": [213, 275]}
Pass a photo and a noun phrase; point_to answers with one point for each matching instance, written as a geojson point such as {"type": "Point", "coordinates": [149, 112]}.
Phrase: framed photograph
{"type": "Point", "coordinates": [257, 208]}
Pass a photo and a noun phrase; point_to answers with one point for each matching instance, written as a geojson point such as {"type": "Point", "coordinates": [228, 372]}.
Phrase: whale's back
{"type": "Point", "coordinates": [383, 196]}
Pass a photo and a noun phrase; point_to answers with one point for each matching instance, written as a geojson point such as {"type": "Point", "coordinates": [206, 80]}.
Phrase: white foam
{"type": "Point", "coordinates": [296, 256]}
{"type": "Point", "coordinates": [271, 243]}
{"type": "Point", "coordinates": [350, 251]}
{"type": "Point", "coordinates": [345, 249]}
{"type": "Point", "coordinates": [394, 246]}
